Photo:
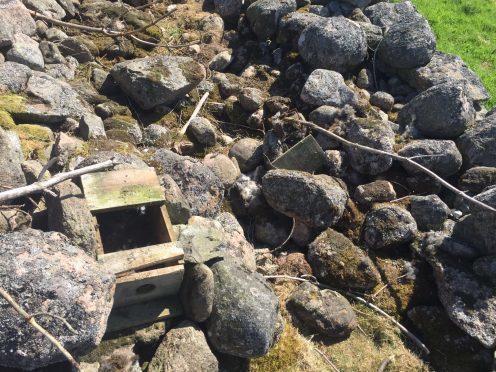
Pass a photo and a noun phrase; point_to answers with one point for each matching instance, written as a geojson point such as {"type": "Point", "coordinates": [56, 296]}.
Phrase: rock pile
{"type": "Point", "coordinates": [366, 70]}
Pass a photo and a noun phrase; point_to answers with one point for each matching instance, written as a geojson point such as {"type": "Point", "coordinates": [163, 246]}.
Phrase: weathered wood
{"type": "Point", "coordinates": [144, 313]}
{"type": "Point", "coordinates": [163, 225]}
{"type": "Point", "coordinates": [148, 285]}
{"type": "Point", "coordinates": [122, 189]}
{"type": "Point", "coordinates": [306, 155]}
{"type": "Point", "coordinates": [130, 260]}
{"type": "Point", "coordinates": [99, 243]}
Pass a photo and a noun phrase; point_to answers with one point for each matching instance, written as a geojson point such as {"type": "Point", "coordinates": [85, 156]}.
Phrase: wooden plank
{"type": "Point", "coordinates": [306, 155]}
{"type": "Point", "coordinates": [163, 225]}
{"type": "Point", "coordinates": [144, 313]}
{"type": "Point", "coordinates": [121, 189]}
{"type": "Point", "coordinates": [148, 285]}
{"type": "Point", "coordinates": [140, 258]}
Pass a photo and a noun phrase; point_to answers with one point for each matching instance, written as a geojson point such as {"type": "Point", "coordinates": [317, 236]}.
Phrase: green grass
{"type": "Point", "coordinates": [466, 28]}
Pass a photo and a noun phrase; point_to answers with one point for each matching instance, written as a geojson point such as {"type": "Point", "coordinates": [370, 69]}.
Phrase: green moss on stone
{"type": "Point", "coordinates": [6, 121]}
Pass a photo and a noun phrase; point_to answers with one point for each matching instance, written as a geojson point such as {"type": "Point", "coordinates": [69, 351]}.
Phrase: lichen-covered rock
{"type": "Point", "coordinates": [292, 25]}
{"type": "Point", "coordinates": [91, 127]}
{"type": "Point", "coordinates": [246, 197]}
{"type": "Point", "coordinates": [11, 175]}
{"type": "Point", "coordinates": [443, 111]}
{"type": "Point", "coordinates": [128, 161]}
{"type": "Point", "coordinates": [335, 43]}
{"type": "Point", "coordinates": [201, 187]}
{"type": "Point", "coordinates": [335, 260]}
{"type": "Point", "coordinates": [440, 156]}
{"type": "Point", "coordinates": [226, 169]}
{"type": "Point", "coordinates": [446, 68]}
{"type": "Point", "coordinates": [485, 268]}
{"type": "Point", "coordinates": [245, 314]}
{"type": "Point", "coordinates": [158, 80]}
{"type": "Point", "coordinates": [123, 128]}
{"type": "Point", "coordinates": [477, 179]}
{"type": "Point", "coordinates": [43, 272]}
{"type": "Point", "coordinates": [372, 133]}
{"type": "Point", "coordinates": [68, 213]}
{"type": "Point", "coordinates": [379, 191]}
{"type": "Point", "coordinates": [14, 220]}
{"type": "Point", "coordinates": [14, 18]}
{"type": "Point", "coordinates": [429, 212]}
{"type": "Point", "coordinates": [326, 87]}
{"type": "Point", "coordinates": [264, 16]}
{"type": "Point", "coordinates": [478, 143]}
{"type": "Point", "coordinates": [316, 200]}
{"type": "Point", "coordinates": [383, 100]}
{"type": "Point", "coordinates": [229, 10]}
{"type": "Point", "coordinates": [197, 291]}
{"type": "Point", "coordinates": [387, 227]}
{"type": "Point", "coordinates": [25, 51]}
{"type": "Point", "coordinates": [184, 348]}
{"type": "Point", "coordinates": [386, 14]}
{"type": "Point", "coordinates": [248, 154]}
{"type": "Point", "coordinates": [323, 311]}
{"type": "Point", "coordinates": [49, 8]}
{"type": "Point", "coordinates": [202, 131]}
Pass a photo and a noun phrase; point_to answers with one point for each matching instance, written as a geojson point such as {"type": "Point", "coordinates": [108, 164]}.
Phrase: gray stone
{"type": "Point", "coordinates": [155, 135]}
{"type": "Point", "coordinates": [248, 153]}
{"type": "Point", "coordinates": [478, 143]}
{"type": "Point", "coordinates": [358, 3]}
{"type": "Point", "coordinates": [443, 111]}
{"type": "Point", "coordinates": [372, 133]}
{"type": "Point", "coordinates": [245, 315]}
{"type": "Point", "coordinates": [229, 10]}
{"type": "Point", "coordinates": [446, 68]}
{"type": "Point", "coordinates": [316, 200]}
{"type": "Point", "coordinates": [69, 7]}
{"type": "Point", "coordinates": [49, 8]}
{"type": "Point", "coordinates": [468, 300]}
{"type": "Point", "coordinates": [407, 45]}
{"type": "Point", "coordinates": [429, 212]}
{"type": "Point", "coordinates": [271, 228]}
{"type": "Point", "coordinates": [388, 227]}
{"type": "Point", "coordinates": [221, 61]}
{"type": "Point", "coordinates": [485, 268]}
{"type": "Point", "coordinates": [51, 52]}
{"type": "Point", "coordinates": [197, 292]}
{"type": "Point", "coordinates": [379, 191]}
{"type": "Point", "coordinates": [32, 169]}
{"type": "Point", "coordinates": [91, 127]}
{"type": "Point", "coordinates": [212, 23]}
{"type": "Point", "coordinates": [184, 348]}
{"type": "Point", "coordinates": [335, 260]}
{"type": "Point", "coordinates": [326, 87]}
{"type": "Point", "coordinates": [319, 10]}
{"type": "Point", "coordinates": [127, 161]}
{"type": "Point", "coordinates": [14, 77]}
{"type": "Point", "coordinates": [14, 220]}
{"type": "Point", "coordinates": [223, 167]}
{"type": "Point", "coordinates": [11, 175]}
{"type": "Point", "coordinates": [158, 80]}
{"type": "Point", "coordinates": [55, 35]}
{"type": "Point", "coordinates": [251, 99]}
{"type": "Point", "coordinates": [383, 100]}
{"type": "Point", "coordinates": [26, 52]}
{"type": "Point", "coordinates": [45, 273]}
{"type": "Point", "coordinates": [324, 116]}
{"type": "Point", "coordinates": [177, 206]}
{"type": "Point", "coordinates": [386, 14]}
{"type": "Point", "coordinates": [246, 197]}
{"type": "Point", "coordinates": [440, 156]}
{"type": "Point", "coordinates": [476, 179]}
{"type": "Point", "coordinates": [82, 50]}
{"type": "Point", "coordinates": [323, 311]}
{"type": "Point", "coordinates": [337, 163]}
{"type": "Point", "coordinates": [201, 187]}
{"type": "Point", "coordinates": [123, 128]}
{"type": "Point", "coordinates": [373, 34]}
{"type": "Point", "coordinates": [264, 16]}
{"type": "Point", "coordinates": [292, 25]}
{"type": "Point", "coordinates": [336, 44]}
{"type": "Point", "coordinates": [68, 213]}
{"type": "Point", "coordinates": [202, 131]}
{"type": "Point", "coordinates": [14, 18]}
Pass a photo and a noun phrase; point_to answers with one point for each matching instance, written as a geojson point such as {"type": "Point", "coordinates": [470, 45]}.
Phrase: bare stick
{"type": "Point", "coordinates": [359, 299]}
{"type": "Point", "coordinates": [66, 323]}
{"type": "Point", "coordinates": [385, 363]}
{"type": "Point", "coordinates": [31, 321]}
{"type": "Point", "coordinates": [195, 112]}
{"type": "Point", "coordinates": [326, 359]}
{"type": "Point", "coordinates": [401, 159]}
{"type": "Point", "coordinates": [38, 186]}
{"type": "Point", "coordinates": [281, 246]}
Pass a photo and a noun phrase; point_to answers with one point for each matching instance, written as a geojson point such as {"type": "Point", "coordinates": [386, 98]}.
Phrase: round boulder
{"type": "Point", "coordinates": [326, 87]}
{"type": "Point", "coordinates": [44, 273]}
{"type": "Point", "coordinates": [335, 44]}
{"type": "Point", "coordinates": [248, 153]}
{"type": "Point", "coordinates": [264, 16]}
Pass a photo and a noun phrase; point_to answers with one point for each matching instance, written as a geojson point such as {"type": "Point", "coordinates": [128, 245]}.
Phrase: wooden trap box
{"type": "Point", "coordinates": [135, 241]}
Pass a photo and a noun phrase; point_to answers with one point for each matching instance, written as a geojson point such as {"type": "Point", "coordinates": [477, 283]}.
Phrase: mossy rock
{"type": "Point", "coordinates": [6, 121]}
{"type": "Point", "coordinates": [124, 148]}
{"type": "Point", "coordinates": [12, 103]}
{"type": "Point", "coordinates": [36, 141]}
{"type": "Point", "coordinates": [236, 113]}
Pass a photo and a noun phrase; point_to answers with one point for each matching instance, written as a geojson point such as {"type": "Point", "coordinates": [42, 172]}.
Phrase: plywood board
{"type": "Point", "coordinates": [121, 189]}
{"type": "Point", "coordinates": [163, 225]}
{"type": "Point", "coordinates": [148, 285]}
{"type": "Point", "coordinates": [306, 155]}
{"type": "Point", "coordinates": [144, 313]}
{"type": "Point", "coordinates": [140, 258]}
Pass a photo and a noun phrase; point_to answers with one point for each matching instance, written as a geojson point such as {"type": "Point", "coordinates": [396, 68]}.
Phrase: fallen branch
{"type": "Point", "coordinates": [193, 115]}
{"type": "Point", "coordinates": [38, 186]}
{"type": "Point", "coordinates": [409, 334]}
{"type": "Point", "coordinates": [31, 321]}
{"type": "Point", "coordinates": [281, 246]}
{"type": "Point", "coordinates": [401, 159]}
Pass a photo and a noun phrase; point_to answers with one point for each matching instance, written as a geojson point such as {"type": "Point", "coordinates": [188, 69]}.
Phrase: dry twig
{"type": "Point", "coordinates": [401, 159]}
{"type": "Point", "coordinates": [41, 186]}
{"type": "Point", "coordinates": [359, 299]}
{"type": "Point", "coordinates": [31, 321]}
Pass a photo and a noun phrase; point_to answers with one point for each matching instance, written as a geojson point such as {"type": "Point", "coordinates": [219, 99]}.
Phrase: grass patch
{"type": "Point", "coordinates": [466, 28]}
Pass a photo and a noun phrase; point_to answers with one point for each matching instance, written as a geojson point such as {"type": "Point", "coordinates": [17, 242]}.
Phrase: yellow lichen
{"type": "Point", "coordinates": [36, 141]}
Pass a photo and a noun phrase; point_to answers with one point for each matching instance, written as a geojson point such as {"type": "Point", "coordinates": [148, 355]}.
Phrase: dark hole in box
{"type": "Point", "coordinates": [127, 229]}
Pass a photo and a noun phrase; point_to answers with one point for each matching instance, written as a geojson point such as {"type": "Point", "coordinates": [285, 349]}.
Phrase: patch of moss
{"type": "Point", "coordinates": [120, 135]}
{"type": "Point", "coordinates": [155, 32]}
{"type": "Point", "coordinates": [6, 121]}
{"type": "Point", "coordinates": [12, 103]}
{"type": "Point", "coordinates": [36, 141]}
{"type": "Point", "coordinates": [124, 148]}
{"type": "Point", "coordinates": [192, 71]}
